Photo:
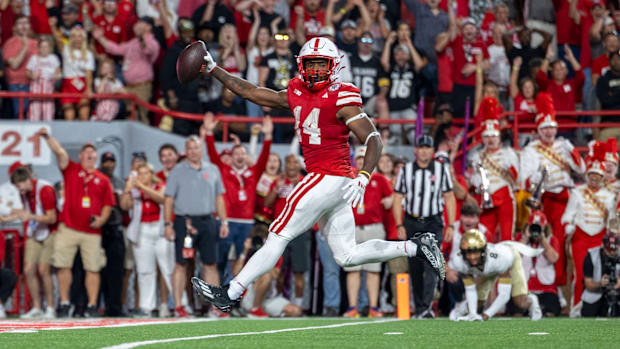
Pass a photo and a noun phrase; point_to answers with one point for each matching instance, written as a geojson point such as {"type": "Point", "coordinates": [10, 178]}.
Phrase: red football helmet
{"type": "Point", "coordinates": [319, 48]}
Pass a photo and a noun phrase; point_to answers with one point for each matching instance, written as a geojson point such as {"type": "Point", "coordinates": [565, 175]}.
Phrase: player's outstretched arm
{"type": "Point", "coordinates": [245, 89]}
{"type": "Point", "coordinates": [359, 123]}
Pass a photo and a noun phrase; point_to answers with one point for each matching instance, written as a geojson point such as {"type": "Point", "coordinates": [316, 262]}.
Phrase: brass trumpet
{"type": "Point", "coordinates": [534, 201]}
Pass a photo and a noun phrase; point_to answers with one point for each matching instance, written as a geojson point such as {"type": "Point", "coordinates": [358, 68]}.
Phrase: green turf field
{"type": "Point", "coordinates": [330, 333]}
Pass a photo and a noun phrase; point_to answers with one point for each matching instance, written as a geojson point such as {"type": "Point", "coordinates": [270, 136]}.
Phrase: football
{"type": "Point", "coordinates": [191, 61]}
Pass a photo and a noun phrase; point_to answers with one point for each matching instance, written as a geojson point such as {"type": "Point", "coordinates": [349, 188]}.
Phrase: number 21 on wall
{"type": "Point", "coordinates": [310, 125]}
{"type": "Point", "coordinates": [24, 144]}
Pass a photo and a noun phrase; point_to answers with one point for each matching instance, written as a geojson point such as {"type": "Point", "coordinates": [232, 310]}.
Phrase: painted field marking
{"type": "Point", "coordinates": [172, 340]}
{"type": "Point", "coordinates": [21, 325]}
{"type": "Point", "coordinates": [538, 333]}
{"type": "Point", "coordinates": [392, 333]}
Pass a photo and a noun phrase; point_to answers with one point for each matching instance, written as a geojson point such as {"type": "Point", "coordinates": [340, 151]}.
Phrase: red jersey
{"type": "Point", "coordinates": [39, 18]}
{"type": "Point", "coordinates": [312, 24]}
{"type": "Point", "coordinates": [600, 66]}
{"type": "Point", "coordinates": [240, 186]}
{"type": "Point", "coordinates": [85, 196]}
{"type": "Point", "coordinates": [114, 30]}
{"type": "Point", "coordinates": [466, 53]}
{"type": "Point", "coordinates": [324, 138]}
{"type": "Point", "coordinates": [564, 95]}
{"type": "Point", "coordinates": [522, 104]}
{"type": "Point", "coordinates": [262, 213]}
{"type": "Point", "coordinates": [151, 211]}
{"type": "Point", "coordinates": [162, 176]}
{"type": "Point", "coordinates": [283, 192]}
{"type": "Point", "coordinates": [567, 29]}
{"type": "Point", "coordinates": [371, 209]}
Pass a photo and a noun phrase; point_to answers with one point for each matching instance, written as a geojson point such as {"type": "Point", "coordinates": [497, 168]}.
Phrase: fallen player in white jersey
{"type": "Point", "coordinates": [481, 264]}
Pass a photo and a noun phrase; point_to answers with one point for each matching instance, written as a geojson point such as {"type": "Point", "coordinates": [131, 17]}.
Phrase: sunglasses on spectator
{"type": "Point", "coordinates": [139, 155]}
{"type": "Point", "coordinates": [281, 37]}
{"type": "Point", "coordinates": [366, 40]}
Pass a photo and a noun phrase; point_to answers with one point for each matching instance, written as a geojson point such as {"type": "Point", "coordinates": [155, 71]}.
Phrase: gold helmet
{"type": "Point", "coordinates": [474, 241]}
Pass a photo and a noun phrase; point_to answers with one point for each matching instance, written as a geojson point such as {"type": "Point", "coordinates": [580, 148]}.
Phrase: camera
{"type": "Point", "coordinates": [535, 232]}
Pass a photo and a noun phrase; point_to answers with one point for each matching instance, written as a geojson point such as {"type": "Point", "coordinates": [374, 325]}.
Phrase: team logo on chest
{"type": "Point", "coordinates": [334, 87]}
{"type": "Point", "coordinates": [297, 92]}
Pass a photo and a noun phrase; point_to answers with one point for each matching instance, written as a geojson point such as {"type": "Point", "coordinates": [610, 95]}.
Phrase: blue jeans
{"type": "Point", "coordinates": [238, 232]}
{"type": "Point", "coordinates": [15, 101]}
{"type": "Point", "coordinates": [331, 273]}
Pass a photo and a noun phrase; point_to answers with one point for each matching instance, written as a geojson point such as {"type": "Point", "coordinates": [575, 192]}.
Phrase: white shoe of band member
{"type": "Point", "coordinates": [34, 313]}
{"type": "Point", "coordinates": [535, 311]}
{"type": "Point", "coordinates": [460, 309]}
{"type": "Point", "coordinates": [163, 310]}
{"type": "Point", "coordinates": [2, 312]}
{"type": "Point", "coordinates": [50, 313]}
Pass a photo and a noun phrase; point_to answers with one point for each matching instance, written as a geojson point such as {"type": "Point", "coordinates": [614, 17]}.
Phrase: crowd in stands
{"type": "Point", "coordinates": [475, 58]}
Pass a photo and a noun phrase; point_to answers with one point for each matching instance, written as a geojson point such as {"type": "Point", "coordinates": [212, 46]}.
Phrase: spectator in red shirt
{"type": "Point", "coordinates": [16, 53]}
{"type": "Point", "coordinates": [114, 27]}
{"type": "Point", "coordinates": [465, 47]}
{"type": "Point", "coordinates": [39, 214]}
{"type": "Point", "coordinates": [168, 156]}
{"type": "Point", "coordinates": [523, 93]}
{"type": "Point", "coordinates": [368, 226]}
{"type": "Point", "coordinates": [88, 203]}
{"type": "Point", "coordinates": [240, 183]}
{"type": "Point", "coordinates": [564, 91]}
{"type": "Point", "coordinates": [307, 20]}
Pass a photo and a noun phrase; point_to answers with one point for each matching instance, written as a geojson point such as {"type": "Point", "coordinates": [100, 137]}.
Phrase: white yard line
{"type": "Point", "coordinates": [172, 340]}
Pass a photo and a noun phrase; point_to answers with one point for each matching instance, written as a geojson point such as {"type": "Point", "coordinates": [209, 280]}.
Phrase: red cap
{"type": "Point", "coordinates": [489, 113]}
{"type": "Point", "coordinates": [611, 150]}
{"type": "Point", "coordinates": [595, 161]}
{"type": "Point", "coordinates": [545, 116]}
{"type": "Point", "coordinates": [15, 166]}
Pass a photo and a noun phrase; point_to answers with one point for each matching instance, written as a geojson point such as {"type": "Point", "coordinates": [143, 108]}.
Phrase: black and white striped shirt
{"type": "Point", "coordinates": [423, 188]}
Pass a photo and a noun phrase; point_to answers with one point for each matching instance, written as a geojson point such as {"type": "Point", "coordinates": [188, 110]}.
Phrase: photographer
{"type": "Point", "coordinates": [262, 299]}
{"type": "Point", "coordinates": [540, 271]}
{"type": "Point", "coordinates": [601, 272]}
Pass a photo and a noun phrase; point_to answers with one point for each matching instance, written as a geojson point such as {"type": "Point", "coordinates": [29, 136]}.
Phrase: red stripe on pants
{"type": "Point", "coordinates": [294, 205]}
{"type": "Point", "coordinates": [580, 244]}
{"type": "Point", "coordinates": [553, 207]}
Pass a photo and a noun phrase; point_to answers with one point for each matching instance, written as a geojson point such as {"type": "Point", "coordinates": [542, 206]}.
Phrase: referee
{"type": "Point", "coordinates": [422, 187]}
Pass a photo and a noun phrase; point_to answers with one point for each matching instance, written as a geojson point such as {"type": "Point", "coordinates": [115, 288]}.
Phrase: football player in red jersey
{"type": "Point", "coordinates": [325, 113]}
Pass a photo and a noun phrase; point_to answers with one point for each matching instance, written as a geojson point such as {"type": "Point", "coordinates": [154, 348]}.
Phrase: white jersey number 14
{"type": "Point", "coordinates": [310, 125]}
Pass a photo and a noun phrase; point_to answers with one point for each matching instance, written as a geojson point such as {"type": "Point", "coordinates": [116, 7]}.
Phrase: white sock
{"type": "Point", "coordinates": [261, 262]}
{"type": "Point", "coordinates": [235, 290]}
{"type": "Point", "coordinates": [411, 248]}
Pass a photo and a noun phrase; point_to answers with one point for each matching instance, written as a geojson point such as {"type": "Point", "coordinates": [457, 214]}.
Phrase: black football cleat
{"type": "Point", "coordinates": [429, 251]}
{"type": "Point", "coordinates": [216, 295]}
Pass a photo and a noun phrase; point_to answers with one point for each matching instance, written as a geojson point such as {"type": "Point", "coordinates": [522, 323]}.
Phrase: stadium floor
{"type": "Point", "coordinates": [309, 333]}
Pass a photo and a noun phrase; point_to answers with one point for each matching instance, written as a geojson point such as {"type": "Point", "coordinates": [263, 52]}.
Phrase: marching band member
{"type": "Point", "coordinates": [560, 158]}
{"type": "Point", "coordinates": [499, 165]}
{"type": "Point", "coordinates": [585, 219]}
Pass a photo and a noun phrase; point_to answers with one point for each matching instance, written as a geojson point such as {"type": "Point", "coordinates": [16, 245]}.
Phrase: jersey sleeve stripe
{"type": "Point", "coordinates": [347, 94]}
{"type": "Point", "coordinates": [349, 100]}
